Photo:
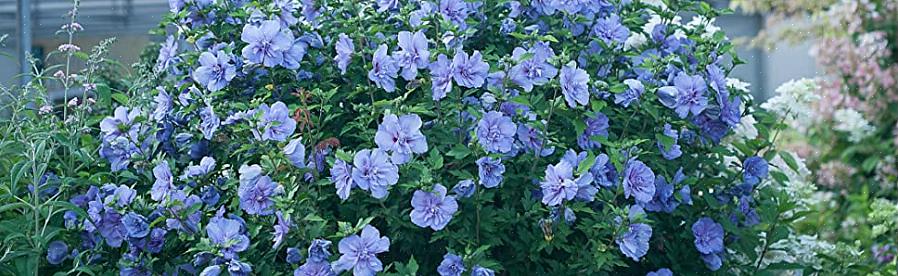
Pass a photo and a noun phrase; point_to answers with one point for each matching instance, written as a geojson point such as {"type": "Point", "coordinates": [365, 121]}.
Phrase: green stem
{"type": "Point", "coordinates": [537, 154]}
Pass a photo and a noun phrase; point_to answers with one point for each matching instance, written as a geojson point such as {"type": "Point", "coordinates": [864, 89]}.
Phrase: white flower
{"type": "Point", "coordinates": [45, 109]}
{"type": "Point", "coordinates": [635, 40]}
{"type": "Point", "coordinates": [703, 22]}
{"type": "Point", "coordinates": [738, 84]}
{"type": "Point", "coordinates": [853, 123]}
{"type": "Point", "coordinates": [656, 19]}
{"type": "Point", "coordinates": [800, 249]}
{"type": "Point", "coordinates": [746, 128]}
{"type": "Point", "coordinates": [793, 102]}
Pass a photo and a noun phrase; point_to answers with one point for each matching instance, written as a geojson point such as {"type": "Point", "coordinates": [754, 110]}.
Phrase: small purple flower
{"type": "Point", "coordinates": [255, 196]}
{"type": "Point", "coordinates": [482, 271]}
{"type": "Point", "coordinates": [57, 252]}
{"type": "Point", "coordinates": [532, 139]}
{"type": "Point", "coordinates": [713, 261]}
{"type": "Point", "coordinates": [121, 124]}
{"type": "Point", "coordinates": [385, 5]}
{"type": "Point", "coordinates": [296, 153]}
{"type": "Point", "coordinates": [558, 184]}
{"type": "Point", "coordinates": [490, 171]}
{"type": "Point", "coordinates": [470, 71]}
{"type": "Point", "coordinates": [595, 126]}
{"type": "Point", "coordinates": [414, 53]}
{"type": "Point", "coordinates": [341, 175]}
{"type": "Point", "coordinates": [433, 209]}
{"type": "Point", "coordinates": [136, 225]}
{"type": "Point", "coordinates": [496, 132]}
{"type": "Point", "coordinates": [287, 8]}
{"type": "Point", "coordinates": [163, 184]}
{"type": "Point", "coordinates": [708, 236]}
{"type": "Point", "coordinates": [635, 242]}
{"type": "Point", "coordinates": [209, 122]}
{"type": "Point", "coordinates": [686, 96]}
{"type": "Point", "coordinates": [730, 109]}
{"type": "Point", "coordinates": [711, 127]}
{"type": "Point", "coordinates": [639, 181]}
{"type": "Point", "coordinates": [281, 229]}
{"type": "Point", "coordinates": [345, 49]}
{"type": "Point", "coordinates": [226, 234]}
{"type": "Point", "coordinates": [455, 11]}
{"type": "Point", "coordinates": [686, 194]}
{"type": "Point", "coordinates": [574, 85]}
{"type": "Point", "coordinates": [441, 77]}
{"type": "Point", "coordinates": [402, 136]}
{"type": "Point", "coordinates": [216, 70]}
{"type": "Point", "coordinates": [383, 69]}
{"type": "Point", "coordinates": [359, 253]}
{"type": "Point", "coordinates": [882, 253]}
{"type": "Point", "coordinates": [275, 123]}
{"type": "Point", "coordinates": [111, 228]}
{"type": "Point", "coordinates": [293, 255]}
{"type": "Point", "coordinates": [754, 170]}
{"type": "Point", "coordinates": [168, 54]}
{"type": "Point", "coordinates": [163, 103]}
{"type": "Point", "coordinates": [267, 43]}
{"type": "Point", "coordinates": [238, 268]}
{"type": "Point", "coordinates": [179, 202]}
{"type": "Point", "coordinates": [663, 200]}
{"type": "Point", "coordinates": [632, 94]}
{"type": "Point", "coordinates": [121, 196]}
{"type": "Point", "coordinates": [673, 151]}
{"type": "Point", "coordinates": [206, 165]}
{"type": "Point", "coordinates": [717, 79]}
{"type": "Point", "coordinates": [156, 240]}
{"type": "Point", "coordinates": [319, 250]}
{"type": "Point", "coordinates": [464, 188]}
{"type": "Point", "coordinates": [610, 30]}
{"type": "Point", "coordinates": [660, 272]}
{"type": "Point", "coordinates": [603, 171]}
{"type": "Point", "coordinates": [535, 70]}
{"type": "Point", "coordinates": [452, 265]}
{"type": "Point", "coordinates": [293, 56]}
{"type": "Point", "coordinates": [374, 172]}
{"type": "Point", "coordinates": [314, 269]}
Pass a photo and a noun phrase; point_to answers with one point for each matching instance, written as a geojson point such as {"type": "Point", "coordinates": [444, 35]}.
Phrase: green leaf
{"type": "Point", "coordinates": [790, 160]}
{"type": "Point", "coordinates": [459, 152]}
{"type": "Point", "coordinates": [120, 98]}
{"type": "Point", "coordinates": [586, 164]}
{"type": "Point", "coordinates": [665, 140]}
{"type": "Point", "coordinates": [435, 159]}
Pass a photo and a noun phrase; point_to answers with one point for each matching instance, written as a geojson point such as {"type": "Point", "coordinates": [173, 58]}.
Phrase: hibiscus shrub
{"type": "Point", "coordinates": [449, 137]}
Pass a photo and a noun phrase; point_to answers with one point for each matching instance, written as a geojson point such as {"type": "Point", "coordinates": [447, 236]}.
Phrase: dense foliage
{"type": "Point", "coordinates": [542, 137]}
{"type": "Point", "coordinates": [848, 131]}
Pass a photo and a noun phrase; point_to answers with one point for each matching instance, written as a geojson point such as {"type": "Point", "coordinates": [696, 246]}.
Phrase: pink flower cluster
{"type": "Point", "coordinates": [861, 67]}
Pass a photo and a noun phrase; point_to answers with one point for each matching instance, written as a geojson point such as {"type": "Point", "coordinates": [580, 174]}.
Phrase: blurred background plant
{"type": "Point", "coordinates": [848, 132]}
{"type": "Point", "coordinates": [49, 147]}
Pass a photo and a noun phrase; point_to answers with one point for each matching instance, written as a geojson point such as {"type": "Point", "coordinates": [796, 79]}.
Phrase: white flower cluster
{"type": "Point", "coordinates": [793, 102]}
{"type": "Point", "coordinates": [738, 84]}
{"type": "Point", "coordinates": [797, 249]}
{"type": "Point", "coordinates": [699, 21]}
{"type": "Point", "coordinates": [853, 123]}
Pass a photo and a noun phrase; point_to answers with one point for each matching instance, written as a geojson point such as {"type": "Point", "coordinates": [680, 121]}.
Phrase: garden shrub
{"type": "Point", "coordinates": [847, 130]}
{"type": "Point", "coordinates": [450, 137]}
